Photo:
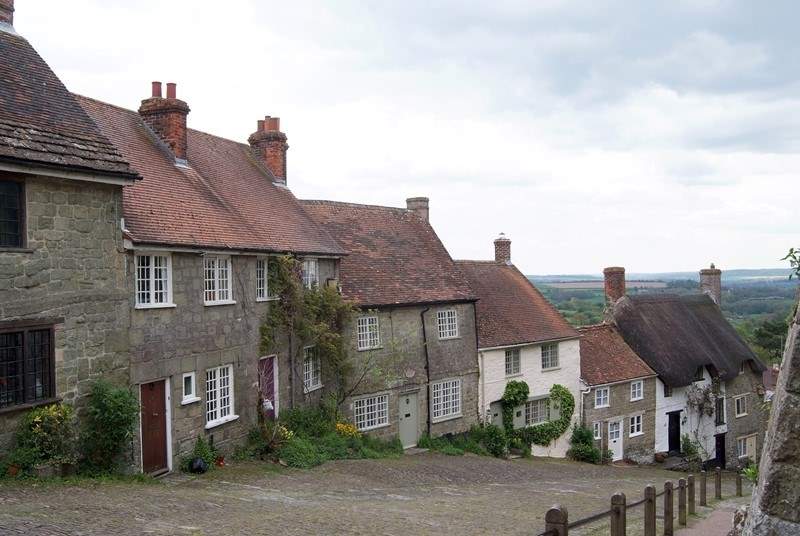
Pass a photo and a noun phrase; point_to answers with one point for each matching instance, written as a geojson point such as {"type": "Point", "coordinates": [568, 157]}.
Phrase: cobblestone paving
{"type": "Point", "coordinates": [423, 494]}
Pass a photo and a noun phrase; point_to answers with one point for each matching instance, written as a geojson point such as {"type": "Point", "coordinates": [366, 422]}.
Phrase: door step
{"type": "Point", "coordinates": [412, 451]}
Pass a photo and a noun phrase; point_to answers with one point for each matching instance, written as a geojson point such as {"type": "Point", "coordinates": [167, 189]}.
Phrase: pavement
{"type": "Point", "coordinates": [718, 522]}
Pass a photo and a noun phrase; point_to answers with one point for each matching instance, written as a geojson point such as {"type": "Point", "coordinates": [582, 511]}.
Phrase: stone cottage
{"type": "Point", "coordinates": [619, 403]}
{"type": "Point", "coordinates": [709, 381]}
{"type": "Point", "coordinates": [201, 229]}
{"type": "Point", "coordinates": [416, 322]}
{"type": "Point", "coordinates": [63, 301]}
{"type": "Point", "coordinates": [521, 337]}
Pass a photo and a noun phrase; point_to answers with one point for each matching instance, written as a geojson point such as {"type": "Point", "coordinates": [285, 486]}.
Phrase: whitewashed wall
{"type": "Point", "coordinates": [494, 379]}
{"type": "Point", "coordinates": [691, 420]}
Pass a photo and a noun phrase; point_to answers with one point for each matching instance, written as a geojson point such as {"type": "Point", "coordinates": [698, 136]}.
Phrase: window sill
{"type": "Point", "coordinates": [603, 407]}
{"type": "Point", "coordinates": [222, 302]}
{"type": "Point", "coordinates": [448, 418]}
{"type": "Point", "coordinates": [742, 415]}
{"type": "Point", "coordinates": [30, 405]}
{"type": "Point", "coordinates": [550, 369]}
{"type": "Point", "coordinates": [267, 299]}
{"type": "Point", "coordinates": [637, 399]}
{"type": "Point", "coordinates": [155, 306]}
{"type": "Point", "coordinates": [370, 348]}
{"type": "Point", "coordinates": [16, 250]}
{"type": "Point", "coordinates": [637, 434]}
{"type": "Point", "coordinates": [515, 375]}
{"type": "Point", "coordinates": [190, 400]}
{"type": "Point", "coordinates": [449, 338]}
{"type": "Point", "coordinates": [219, 422]}
{"type": "Point", "coordinates": [307, 390]}
{"type": "Point", "coordinates": [378, 427]}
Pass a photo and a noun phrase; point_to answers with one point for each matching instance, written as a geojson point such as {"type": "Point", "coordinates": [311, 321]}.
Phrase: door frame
{"type": "Point", "coordinates": [621, 443]}
{"type": "Point", "coordinates": [275, 382]}
{"type": "Point", "coordinates": [167, 415]}
{"type": "Point", "coordinates": [677, 415]}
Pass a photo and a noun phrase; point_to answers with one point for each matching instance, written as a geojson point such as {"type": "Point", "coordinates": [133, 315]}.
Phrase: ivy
{"type": "Point", "coordinates": [545, 433]}
{"type": "Point", "coordinates": [516, 394]}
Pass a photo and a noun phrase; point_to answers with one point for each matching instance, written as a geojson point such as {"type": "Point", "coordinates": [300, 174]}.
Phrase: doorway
{"type": "Point", "coordinates": [154, 427]}
{"type": "Point", "coordinates": [409, 420]}
{"type": "Point", "coordinates": [719, 447]}
{"type": "Point", "coordinates": [615, 440]}
{"type": "Point", "coordinates": [674, 432]}
{"type": "Point", "coordinates": [268, 386]}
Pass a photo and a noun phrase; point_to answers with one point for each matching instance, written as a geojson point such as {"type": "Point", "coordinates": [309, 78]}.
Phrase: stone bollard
{"type": "Point", "coordinates": [556, 521]}
{"type": "Point", "coordinates": [682, 502]}
{"type": "Point", "coordinates": [618, 507]}
{"type": "Point", "coordinates": [718, 483]}
{"type": "Point", "coordinates": [703, 479]}
{"type": "Point", "coordinates": [668, 530]}
{"type": "Point", "coordinates": [692, 509]}
{"type": "Point", "coordinates": [650, 511]}
{"type": "Point", "coordinates": [738, 484]}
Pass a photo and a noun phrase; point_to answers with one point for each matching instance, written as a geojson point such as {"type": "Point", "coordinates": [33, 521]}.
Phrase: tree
{"type": "Point", "coordinates": [794, 261]}
{"type": "Point", "coordinates": [770, 336]}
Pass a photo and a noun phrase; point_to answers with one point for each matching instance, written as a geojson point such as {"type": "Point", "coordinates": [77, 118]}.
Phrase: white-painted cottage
{"type": "Point", "coordinates": [521, 336]}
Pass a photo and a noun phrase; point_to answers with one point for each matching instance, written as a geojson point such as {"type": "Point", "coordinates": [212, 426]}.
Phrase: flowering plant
{"type": "Point", "coordinates": [345, 429]}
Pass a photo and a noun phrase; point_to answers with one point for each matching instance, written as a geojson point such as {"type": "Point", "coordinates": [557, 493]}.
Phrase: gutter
{"type": "Point", "coordinates": [427, 368]}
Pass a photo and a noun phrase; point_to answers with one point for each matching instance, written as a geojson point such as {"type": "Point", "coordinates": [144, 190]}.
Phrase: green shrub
{"type": "Point", "coordinates": [584, 453]}
{"type": "Point", "coordinates": [203, 450]}
{"type": "Point", "coordinates": [47, 435]}
{"type": "Point", "coordinates": [309, 422]}
{"type": "Point", "coordinates": [335, 447]}
{"type": "Point", "coordinates": [23, 458]}
{"type": "Point", "coordinates": [451, 450]}
{"type": "Point", "coordinates": [109, 426]}
{"type": "Point", "coordinates": [751, 473]}
{"type": "Point", "coordinates": [495, 440]}
{"type": "Point", "coordinates": [301, 453]}
{"type": "Point", "coordinates": [582, 435]}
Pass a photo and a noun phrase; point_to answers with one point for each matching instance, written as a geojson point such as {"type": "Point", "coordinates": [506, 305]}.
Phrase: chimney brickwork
{"type": "Point", "coordinates": [502, 249]}
{"type": "Point", "coordinates": [614, 283]}
{"type": "Point", "coordinates": [711, 283]}
{"type": "Point", "coordinates": [269, 145]}
{"type": "Point", "coordinates": [7, 11]}
{"type": "Point", "coordinates": [419, 205]}
{"type": "Point", "coordinates": [167, 118]}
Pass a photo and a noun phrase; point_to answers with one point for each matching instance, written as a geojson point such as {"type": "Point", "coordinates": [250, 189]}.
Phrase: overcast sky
{"type": "Point", "coordinates": [656, 135]}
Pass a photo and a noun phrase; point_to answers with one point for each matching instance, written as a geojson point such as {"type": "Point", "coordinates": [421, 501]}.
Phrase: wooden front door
{"type": "Point", "coordinates": [154, 427]}
{"type": "Point", "coordinates": [267, 382]}
{"type": "Point", "coordinates": [674, 432]}
{"type": "Point", "coordinates": [719, 446]}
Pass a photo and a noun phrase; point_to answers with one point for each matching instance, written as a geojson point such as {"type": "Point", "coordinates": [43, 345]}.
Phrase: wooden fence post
{"type": "Point", "coordinates": [557, 520]}
{"type": "Point", "coordinates": [738, 484]}
{"type": "Point", "coordinates": [691, 495]}
{"type": "Point", "coordinates": [618, 507]}
{"type": "Point", "coordinates": [703, 479]}
{"type": "Point", "coordinates": [668, 530]}
{"type": "Point", "coordinates": [717, 483]}
{"type": "Point", "coordinates": [682, 502]}
{"type": "Point", "coordinates": [650, 511]}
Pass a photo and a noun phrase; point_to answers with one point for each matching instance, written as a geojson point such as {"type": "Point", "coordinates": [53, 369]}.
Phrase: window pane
{"type": "Point", "coordinates": [143, 279]}
{"type": "Point", "coordinates": [261, 279]}
{"type": "Point", "coordinates": [11, 351]}
{"type": "Point", "coordinates": [210, 264]}
{"type": "Point", "coordinates": [10, 214]}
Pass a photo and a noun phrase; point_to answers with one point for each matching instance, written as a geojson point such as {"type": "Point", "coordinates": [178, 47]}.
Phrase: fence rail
{"type": "Point", "coordinates": [557, 521]}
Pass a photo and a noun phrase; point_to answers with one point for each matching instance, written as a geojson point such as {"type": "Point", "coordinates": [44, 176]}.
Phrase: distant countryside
{"type": "Point", "coordinates": [757, 302]}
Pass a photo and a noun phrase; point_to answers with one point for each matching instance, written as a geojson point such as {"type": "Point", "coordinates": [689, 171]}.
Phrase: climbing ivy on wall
{"type": "Point", "coordinates": [516, 394]}
{"type": "Point", "coordinates": [545, 433]}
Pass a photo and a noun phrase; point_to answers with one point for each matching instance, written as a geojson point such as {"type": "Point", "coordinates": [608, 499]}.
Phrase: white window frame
{"type": "Point", "coordinates": [529, 413]}
{"type": "Point", "coordinates": [312, 370]}
{"type": "Point", "coordinates": [736, 400]}
{"type": "Point", "coordinates": [371, 412]}
{"type": "Point", "coordinates": [742, 442]}
{"type": "Point", "coordinates": [637, 390]}
{"type": "Point", "coordinates": [190, 397]}
{"type": "Point", "coordinates": [550, 354]}
{"type": "Point", "coordinates": [598, 398]}
{"type": "Point", "coordinates": [263, 291]}
{"type": "Point", "coordinates": [598, 430]}
{"type": "Point", "coordinates": [635, 425]}
{"type": "Point", "coordinates": [212, 265]}
{"type": "Point", "coordinates": [447, 324]}
{"type": "Point", "coordinates": [449, 407]}
{"type": "Point", "coordinates": [216, 413]}
{"type": "Point", "coordinates": [368, 332]}
{"type": "Point", "coordinates": [310, 277]}
{"type": "Point", "coordinates": [513, 362]}
{"type": "Point", "coordinates": [151, 281]}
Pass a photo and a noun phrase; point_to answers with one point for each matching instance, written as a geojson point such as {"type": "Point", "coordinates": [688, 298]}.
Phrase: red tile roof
{"type": "Point", "coordinates": [40, 122]}
{"type": "Point", "coordinates": [510, 309]}
{"type": "Point", "coordinates": [606, 358]}
{"type": "Point", "coordinates": [393, 256]}
{"type": "Point", "coordinates": [223, 200]}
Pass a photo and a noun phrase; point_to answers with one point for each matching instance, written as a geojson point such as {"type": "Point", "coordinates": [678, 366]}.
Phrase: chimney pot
{"type": "Point", "coordinates": [269, 146]}
{"type": "Point", "coordinates": [502, 249]}
{"type": "Point", "coordinates": [157, 89]}
{"type": "Point", "coordinates": [167, 118]}
{"type": "Point", "coordinates": [420, 206]}
{"type": "Point", "coordinates": [7, 11]}
{"type": "Point", "coordinates": [260, 125]}
{"type": "Point", "coordinates": [171, 90]}
{"type": "Point", "coordinates": [614, 277]}
{"type": "Point", "coordinates": [711, 283]}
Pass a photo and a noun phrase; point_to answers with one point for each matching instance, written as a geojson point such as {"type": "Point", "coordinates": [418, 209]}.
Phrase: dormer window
{"type": "Point", "coordinates": [698, 375]}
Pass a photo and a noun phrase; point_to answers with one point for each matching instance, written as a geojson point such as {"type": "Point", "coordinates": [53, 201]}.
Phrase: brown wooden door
{"type": "Point", "coordinates": [154, 427]}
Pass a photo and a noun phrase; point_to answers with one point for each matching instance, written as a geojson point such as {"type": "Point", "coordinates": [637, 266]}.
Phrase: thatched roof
{"type": "Point", "coordinates": [677, 334]}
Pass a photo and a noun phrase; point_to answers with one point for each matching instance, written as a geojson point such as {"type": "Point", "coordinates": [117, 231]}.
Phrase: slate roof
{"type": "Point", "coordinates": [393, 256]}
{"type": "Point", "coordinates": [223, 200]}
{"type": "Point", "coordinates": [606, 358]}
{"type": "Point", "coordinates": [677, 334]}
{"type": "Point", "coordinates": [41, 124]}
{"type": "Point", "coordinates": [510, 309]}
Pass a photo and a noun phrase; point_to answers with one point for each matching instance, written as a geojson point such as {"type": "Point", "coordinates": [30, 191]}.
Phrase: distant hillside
{"type": "Point", "coordinates": [761, 274]}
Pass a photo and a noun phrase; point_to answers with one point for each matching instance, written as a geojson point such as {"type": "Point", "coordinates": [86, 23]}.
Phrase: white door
{"type": "Point", "coordinates": [615, 439]}
{"type": "Point", "coordinates": [409, 420]}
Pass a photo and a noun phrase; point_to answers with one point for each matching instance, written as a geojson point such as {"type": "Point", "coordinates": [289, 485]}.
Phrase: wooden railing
{"type": "Point", "coordinates": [557, 521]}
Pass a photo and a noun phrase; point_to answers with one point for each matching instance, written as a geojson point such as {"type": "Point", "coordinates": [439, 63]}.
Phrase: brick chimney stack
{"type": "Point", "coordinates": [167, 118]}
{"type": "Point", "coordinates": [419, 205]}
{"type": "Point", "coordinates": [7, 11]}
{"type": "Point", "coordinates": [502, 249]}
{"type": "Point", "coordinates": [614, 283]}
{"type": "Point", "coordinates": [269, 145]}
{"type": "Point", "coordinates": [711, 283]}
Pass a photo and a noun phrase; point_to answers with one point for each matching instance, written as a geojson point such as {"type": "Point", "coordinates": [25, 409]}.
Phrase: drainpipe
{"type": "Point", "coordinates": [482, 408]}
{"type": "Point", "coordinates": [583, 394]}
{"type": "Point", "coordinates": [427, 368]}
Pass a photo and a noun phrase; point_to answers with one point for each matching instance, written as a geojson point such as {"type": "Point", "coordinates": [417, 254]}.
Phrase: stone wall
{"type": "Point", "coordinates": [747, 383]}
{"type": "Point", "coordinates": [639, 448]}
{"type": "Point", "coordinates": [72, 269]}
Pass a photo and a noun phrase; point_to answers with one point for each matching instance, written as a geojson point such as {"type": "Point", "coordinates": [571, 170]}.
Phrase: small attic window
{"type": "Point", "coordinates": [698, 375]}
{"type": "Point", "coordinates": [742, 367]}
